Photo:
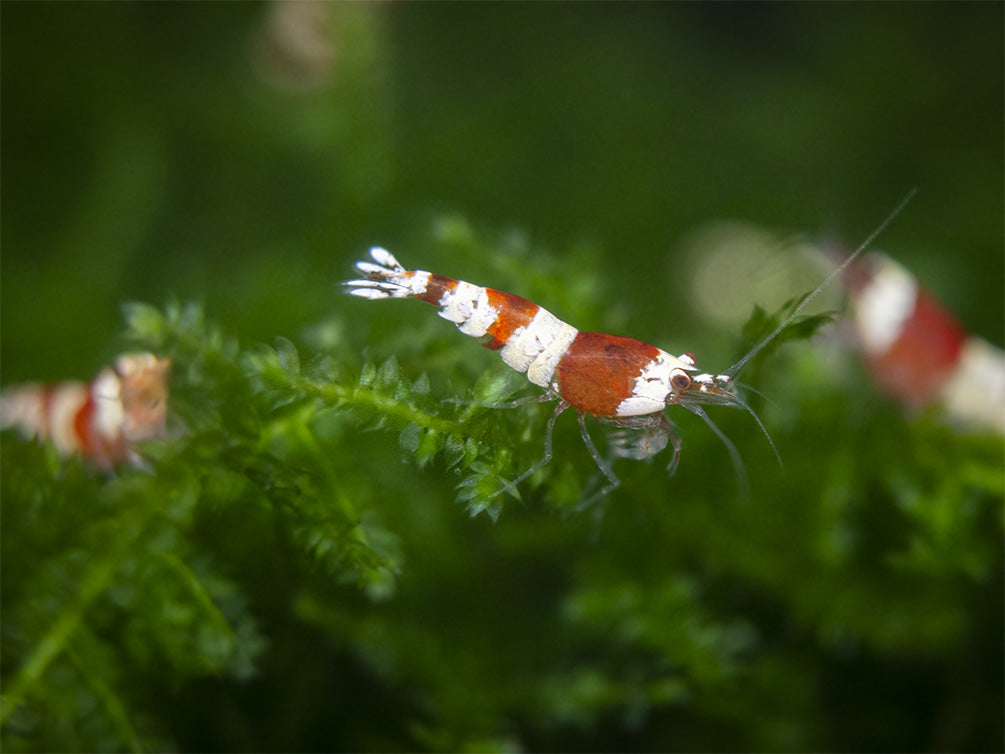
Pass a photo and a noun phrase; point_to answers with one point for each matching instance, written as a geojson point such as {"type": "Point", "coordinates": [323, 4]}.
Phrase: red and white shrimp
{"type": "Point", "coordinates": [619, 380]}
{"type": "Point", "coordinates": [918, 352]}
{"type": "Point", "coordinates": [103, 419]}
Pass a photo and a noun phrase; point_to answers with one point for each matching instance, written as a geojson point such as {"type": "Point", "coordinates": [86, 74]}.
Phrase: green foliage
{"type": "Point", "coordinates": [271, 501]}
{"type": "Point", "coordinates": [761, 324]}
{"type": "Point", "coordinates": [261, 446]}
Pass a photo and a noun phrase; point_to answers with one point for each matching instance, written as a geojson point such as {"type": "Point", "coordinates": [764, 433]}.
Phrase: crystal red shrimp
{"type": "Point", "coordinates": [103, 419]}
{"type": "Point", "coordinates": [917, 351]}
{"type": "Point", "coordinates": [619, 380]}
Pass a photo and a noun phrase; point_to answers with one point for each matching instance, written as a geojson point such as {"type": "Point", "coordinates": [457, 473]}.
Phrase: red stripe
{"type": "Point", "coordinates": [436, 287]}
{"type": "Point", "coordinates": [83, 428]}
{"type": "Point", "coordinates": [598, 371]}
{"type": "Point", "coordinates": [514, 312]}
{"type": "Point", "coordinates": [917, 364]}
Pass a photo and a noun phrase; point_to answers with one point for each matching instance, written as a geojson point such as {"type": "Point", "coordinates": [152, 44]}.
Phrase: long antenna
{"type": "Point", "coordinates": [733, 370]}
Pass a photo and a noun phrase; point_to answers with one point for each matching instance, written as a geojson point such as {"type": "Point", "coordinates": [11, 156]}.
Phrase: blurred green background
{"type": "Point", "coordinates": [244, 154]}
{"type": "Point", "coordinates": [149, 151]}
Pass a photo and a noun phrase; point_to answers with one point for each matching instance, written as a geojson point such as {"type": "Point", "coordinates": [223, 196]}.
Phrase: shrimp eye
{"type": "Point", "coordinates": [680, 381]}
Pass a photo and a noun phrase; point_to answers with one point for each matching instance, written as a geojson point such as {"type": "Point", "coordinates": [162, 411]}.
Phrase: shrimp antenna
{"type": "Point", "coordinates": [734, 370]}
{"type": "Point", "coordinates": [739, 470]}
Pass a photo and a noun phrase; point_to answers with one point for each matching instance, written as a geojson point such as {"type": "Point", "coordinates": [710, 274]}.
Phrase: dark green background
{"type": "Point", "coordinates": [145, 158]}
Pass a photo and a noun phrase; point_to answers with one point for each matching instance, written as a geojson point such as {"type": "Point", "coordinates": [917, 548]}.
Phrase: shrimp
{"type": "Point", "coordinates": [619, 380]}
{"type": "Point", "coordinates": [103, 419]}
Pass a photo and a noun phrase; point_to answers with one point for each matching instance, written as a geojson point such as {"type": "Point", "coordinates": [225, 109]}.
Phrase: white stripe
{"type": "Point", "coordinates": [639, 405]}
{"type": "Point", "coordinates": [513, 353]}
{"type": "Point", "coordinates": [885, 305]}
{"type": "Point", "coordinates": [975, 393]}
{"type": "Point", "coordinates": [21, 406]}
{"type": "Point", "coordinates": [652, 386]}
{"type": "Point", "coordinates": [481, 318]}
{"type": "Point", "coordinates": [543, 368]}
{"type": "Point", "coordinates": [418, 281]}
{"type": "Point", "coordinates": [459, 304]}
{"type": "Point", "coordinates": [109, 415]}
{"type": "Point", "coordinates": [67, 399]}
{"type": "Point", "coordinates": [538, 347]}
{"type": "Point", "coordinates": [524, 343]}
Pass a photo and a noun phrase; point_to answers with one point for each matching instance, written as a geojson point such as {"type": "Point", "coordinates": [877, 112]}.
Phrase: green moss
{"type": "Point", "coordinates": [272, 497]}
